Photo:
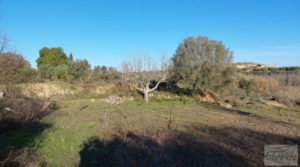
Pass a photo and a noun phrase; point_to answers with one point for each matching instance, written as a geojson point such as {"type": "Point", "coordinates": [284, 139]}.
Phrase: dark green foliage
{"type": "Point", "coordinates": [51, 56]}
{"type": "Point", "coordinates": [55, 65]}
{"type": "Point", "coordinates": [202, 63]}
{"type": "Point", "coordinates": [15, 69]}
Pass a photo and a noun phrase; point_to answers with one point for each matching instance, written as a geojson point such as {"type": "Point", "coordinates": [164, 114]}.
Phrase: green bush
{"type": "Point", "coordinates": [79, 70]}
{"type": "Point", "coordinates": [60, 72]}
{"type": "Point", "coordinates": [46, 71]}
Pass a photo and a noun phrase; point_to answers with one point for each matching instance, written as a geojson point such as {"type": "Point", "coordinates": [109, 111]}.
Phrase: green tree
{"type": "Point", "coordinates": [202, 63]}
{"type": "Point", "coordinates": [51, 56]}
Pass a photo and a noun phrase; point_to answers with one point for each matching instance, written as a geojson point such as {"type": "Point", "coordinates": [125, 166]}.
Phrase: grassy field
{"type": "Point", "coordinates": [90, 132]}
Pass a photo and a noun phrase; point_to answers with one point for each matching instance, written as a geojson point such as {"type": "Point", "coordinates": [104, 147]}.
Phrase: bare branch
{"type": "Point", "coordinates": [142, 84]}
{"type": "Point", "coordinates": [155, 87]}
{"type": "Point", "coordinates": [139, 89]}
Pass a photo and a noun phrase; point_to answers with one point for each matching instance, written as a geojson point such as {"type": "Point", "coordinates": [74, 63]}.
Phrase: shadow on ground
{"type": "Point", "coordinates": [200, 146]}
{"type": "Point", "coordinates": [219, 108]}
{"type": "Point", "coordinates": [16, 145]}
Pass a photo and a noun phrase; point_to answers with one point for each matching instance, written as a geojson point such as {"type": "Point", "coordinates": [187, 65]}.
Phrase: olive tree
{"type": "Point", "coordinates": [202, 63]}
{"type": "Point", "coordinates": [79, 69]}
{"type": "Point", "coordinates": [140, 71]}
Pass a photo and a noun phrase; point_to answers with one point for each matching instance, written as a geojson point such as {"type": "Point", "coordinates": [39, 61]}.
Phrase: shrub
{"type": "Point", "coordinates": [19, 126]}
{"type": "Point", "coordinates": [18, 110]}
{"type": "Point", "coordinates": [15, 69]}
{"type": "Point", "coordinates": [246, 85]}
{"type": "Point", "coordinates": [292, 79]}
{"type": "Point", "coordinates": [60, 72]}
{"type": "Point", "coordinates": [79, 69]}
{"type": "Point", "coordinates": [46, 71]}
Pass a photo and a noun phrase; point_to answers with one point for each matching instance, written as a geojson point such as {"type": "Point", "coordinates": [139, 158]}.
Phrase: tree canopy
{"type": "Point", "coordinates": [51, 56]}
{"type": "Point", "coordinates": [202, 63]}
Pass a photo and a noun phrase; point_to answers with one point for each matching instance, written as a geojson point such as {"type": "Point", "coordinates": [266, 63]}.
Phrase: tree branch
{"type": "Point", "coordinates": [155, 87]}
{"type": "Point", "coordinates": [140, 82]}
{"type": "Point", "coordinates": [137, 88]}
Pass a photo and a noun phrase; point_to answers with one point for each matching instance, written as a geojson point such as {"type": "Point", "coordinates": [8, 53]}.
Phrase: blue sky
{"type": "Point", "coordinates": [107, 31]}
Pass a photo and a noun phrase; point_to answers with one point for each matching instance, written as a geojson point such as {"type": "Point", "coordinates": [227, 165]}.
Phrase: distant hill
{"type": "Point", "coordinates": [256, 68]}
{"type": "Point", "coordinates": [250, 66]}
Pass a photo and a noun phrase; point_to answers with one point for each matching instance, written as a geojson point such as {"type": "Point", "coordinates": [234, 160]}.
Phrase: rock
{"type": "Point", "coordinates": [117, 99]}
{"type": "Point", "coordinates": [92, 100]}
{"type": "Point", "coordinates": [1, 94]}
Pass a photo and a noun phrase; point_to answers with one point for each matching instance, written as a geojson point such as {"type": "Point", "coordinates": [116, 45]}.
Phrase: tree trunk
{"type": "Point", "coordinates": [146, 96]}
{"type": "Point", "coordinates": [145, 89]}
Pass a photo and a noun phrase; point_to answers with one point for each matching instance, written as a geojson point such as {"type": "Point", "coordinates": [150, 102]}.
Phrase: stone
{"type": "Point", "coordinates": [115, 100]}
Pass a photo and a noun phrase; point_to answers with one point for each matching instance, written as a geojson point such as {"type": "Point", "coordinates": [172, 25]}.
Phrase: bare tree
{"type": "Point", "coordinates": [141, 70]}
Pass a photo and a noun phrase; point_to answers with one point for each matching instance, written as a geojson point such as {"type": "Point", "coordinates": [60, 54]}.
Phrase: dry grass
{"type": "Point", "coordinates": [266, 84]}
